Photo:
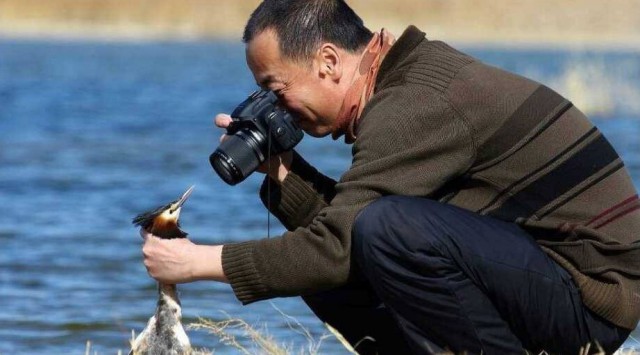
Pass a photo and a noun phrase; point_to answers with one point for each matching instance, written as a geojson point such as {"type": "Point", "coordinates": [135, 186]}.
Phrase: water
{"type": "Point", "coordinates": [93, 133]}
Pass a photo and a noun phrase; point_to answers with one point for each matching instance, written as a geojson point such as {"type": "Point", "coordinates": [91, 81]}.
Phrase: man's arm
{"type": "Point", "coordinates": [410, 142]}
{"type": "Point", "coordinates": [296, 197]}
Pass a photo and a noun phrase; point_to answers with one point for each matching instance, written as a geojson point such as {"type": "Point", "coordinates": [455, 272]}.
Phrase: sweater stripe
{"type": "Point", "coordinates": [543, 102]}
{"type": "Point", "coordinates": [635, 206]}
{"type": "Point", "coordinates": [586, 162]}
{"type": "Point", "coordinates": [612, 209]}
{"type": "Point", "coordinates": [582, 189]}
{"type": "Point", "coordinates": [508, 190]}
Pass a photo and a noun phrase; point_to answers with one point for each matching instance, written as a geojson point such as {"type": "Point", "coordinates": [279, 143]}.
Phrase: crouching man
{"type": "Point", "coordinates": [482, 212]}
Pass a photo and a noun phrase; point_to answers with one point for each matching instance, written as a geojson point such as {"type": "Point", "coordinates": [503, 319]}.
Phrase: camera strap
{"type": "Point", "coordinates": [268, 182]}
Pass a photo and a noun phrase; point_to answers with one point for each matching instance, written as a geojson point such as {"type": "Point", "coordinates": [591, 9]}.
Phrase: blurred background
{"type": "Point", "coordinates": [106, 110]}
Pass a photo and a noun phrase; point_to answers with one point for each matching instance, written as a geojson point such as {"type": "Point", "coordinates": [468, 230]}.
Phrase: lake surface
{"type": "Point", "coordinates": [93, 133]}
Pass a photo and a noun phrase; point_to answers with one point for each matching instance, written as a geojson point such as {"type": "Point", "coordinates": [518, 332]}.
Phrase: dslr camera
{"type": "Point", "coordinates": [259, 129]}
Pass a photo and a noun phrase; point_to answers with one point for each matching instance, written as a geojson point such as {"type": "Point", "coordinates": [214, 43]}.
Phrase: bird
{"type": "Point", "coordinates": [164, 333]}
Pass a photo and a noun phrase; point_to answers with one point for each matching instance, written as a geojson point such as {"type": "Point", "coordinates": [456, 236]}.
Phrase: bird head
{"type": "Point", "coordinates": [163, 221]}
{"type": "Point", "coordinates": [172, 210]}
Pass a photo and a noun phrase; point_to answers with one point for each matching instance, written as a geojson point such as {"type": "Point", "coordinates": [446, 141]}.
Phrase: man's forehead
{"type": "Point", "coordinates": [263, 48]}
{"type": "Point", "coordinates": [263, 57]}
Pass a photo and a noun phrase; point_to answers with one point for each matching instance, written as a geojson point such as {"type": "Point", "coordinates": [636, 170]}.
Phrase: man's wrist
{"type": "Point", "coordinates": [283, 168]}
{"type": "Point", "coordinates": [280, 174]}
{"type": "Point", "coordinates": [207, 263]}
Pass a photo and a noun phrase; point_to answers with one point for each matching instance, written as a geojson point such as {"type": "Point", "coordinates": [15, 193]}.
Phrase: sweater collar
{"type": "Point", "coordinates": [410, 38]}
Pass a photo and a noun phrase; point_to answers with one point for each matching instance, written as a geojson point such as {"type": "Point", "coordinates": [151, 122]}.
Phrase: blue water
{"type": "Point", "coordinates": [93, 133]}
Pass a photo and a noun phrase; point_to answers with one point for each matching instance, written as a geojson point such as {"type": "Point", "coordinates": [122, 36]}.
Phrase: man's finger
{"type": "Point", "coordinates": [222, 120]}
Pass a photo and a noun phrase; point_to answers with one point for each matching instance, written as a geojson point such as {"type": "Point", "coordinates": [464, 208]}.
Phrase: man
{"type": "Point", "coordinates": [482, 211]}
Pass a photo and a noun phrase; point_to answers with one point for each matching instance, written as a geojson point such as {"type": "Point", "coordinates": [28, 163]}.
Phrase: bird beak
{"type": "Point", "coordinates": [185, 196]}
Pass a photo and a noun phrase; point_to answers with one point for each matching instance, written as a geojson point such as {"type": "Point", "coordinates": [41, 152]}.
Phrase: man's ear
{"type": "Point", "coordinates": [329, 62]}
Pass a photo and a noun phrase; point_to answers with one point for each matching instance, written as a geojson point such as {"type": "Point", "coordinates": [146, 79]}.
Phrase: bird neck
{"type": "Point", "coordinates": [170, 292]}
{"type": "Point", "coordinates": [166, 229]}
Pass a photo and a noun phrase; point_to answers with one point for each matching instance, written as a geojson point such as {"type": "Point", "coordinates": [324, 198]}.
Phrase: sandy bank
{"type": "Point", "coordinates": [578, 23]}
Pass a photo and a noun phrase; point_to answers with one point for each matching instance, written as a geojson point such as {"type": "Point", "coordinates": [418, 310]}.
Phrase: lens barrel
{"type": "Point", "coordinates": [237, 157]}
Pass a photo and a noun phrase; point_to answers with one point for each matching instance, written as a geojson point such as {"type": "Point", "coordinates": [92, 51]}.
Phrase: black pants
{"type": "Point", "coordinates": [436, 277]}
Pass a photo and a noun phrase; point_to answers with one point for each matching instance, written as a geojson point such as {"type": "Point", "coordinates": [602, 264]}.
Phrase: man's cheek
{"type": "Point", "coordinates": [291, 104]}
{"type": "Point", "coordinates": [307, 126]}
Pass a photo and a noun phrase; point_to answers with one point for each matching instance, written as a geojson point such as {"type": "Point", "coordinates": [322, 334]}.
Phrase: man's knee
{"type": "Point", "coordinates": [372, 221]}
{"type": "Point", "coordinates": [384, 229]}
{"type": "Point", "coordinates": [373, 216]}
{"type": "Point", "coordinates": [369, 229]}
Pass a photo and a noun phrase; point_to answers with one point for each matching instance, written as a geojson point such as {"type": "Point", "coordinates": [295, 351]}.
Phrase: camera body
{"type": "Point", "coordinates": [259, 129]}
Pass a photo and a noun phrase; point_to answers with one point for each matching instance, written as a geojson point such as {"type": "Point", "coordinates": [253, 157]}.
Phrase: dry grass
{"type": "Point", "coordinates": [229, 331]}
{"type": "Point", "coordinates": [225, 332]}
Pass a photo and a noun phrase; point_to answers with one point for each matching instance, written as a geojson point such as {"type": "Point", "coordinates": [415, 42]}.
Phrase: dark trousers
{"type": "Point", "coordinates": [435, 277]}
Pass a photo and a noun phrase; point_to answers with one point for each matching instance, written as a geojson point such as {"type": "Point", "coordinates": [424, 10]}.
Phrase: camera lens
{"type": "Point", "coordinates": [237, 157]}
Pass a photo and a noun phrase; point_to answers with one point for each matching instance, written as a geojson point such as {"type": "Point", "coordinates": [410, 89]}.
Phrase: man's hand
{"type": "Point", "coordinates": [279, 165]}
{"type": "Point", "coordinates": [179, 260]}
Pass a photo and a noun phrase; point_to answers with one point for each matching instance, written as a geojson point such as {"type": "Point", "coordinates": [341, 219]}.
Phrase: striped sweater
{"type": "Point", "coordinates": [445, 126]}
